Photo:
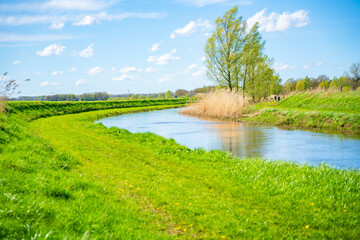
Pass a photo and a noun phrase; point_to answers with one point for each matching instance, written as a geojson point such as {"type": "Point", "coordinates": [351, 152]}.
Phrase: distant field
{"type": "Point", "coordinates": [333, 111]}
{"type": "Point", "coordinates": [38, 109]}
{"type": "Point", "coordinates": [66, 177]}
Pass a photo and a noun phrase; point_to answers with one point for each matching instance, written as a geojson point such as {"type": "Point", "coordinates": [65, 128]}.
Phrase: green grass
{"type": "Point", "coordinates": [65, 176]}
{"type": "Point", "coordinates": [35, 109]}
{"type": "Point", "coordinates": [337, 112]}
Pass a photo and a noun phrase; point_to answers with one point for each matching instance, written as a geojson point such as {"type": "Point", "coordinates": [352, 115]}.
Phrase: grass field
{"type": "Point", "coordinates": [329, 111]}
{"type": "Point", "coordinates": [66, 177]}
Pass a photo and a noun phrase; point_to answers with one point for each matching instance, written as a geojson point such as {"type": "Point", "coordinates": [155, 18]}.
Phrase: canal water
{"type": "Point", "coordinates": [245, 140]}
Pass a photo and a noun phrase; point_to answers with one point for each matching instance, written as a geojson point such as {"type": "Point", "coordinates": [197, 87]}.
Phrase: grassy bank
{"type": "Point", "coordinates": [36, 109]}
{"type": "Point", "coordinates": [65, 176]}
{"type": "Point", "coordinates": [330, 111]}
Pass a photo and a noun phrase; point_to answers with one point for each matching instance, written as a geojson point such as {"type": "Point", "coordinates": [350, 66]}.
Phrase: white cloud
{"type": "Point", "coordinates": [151, 69]}
{"type": "Point", "coordinates": [87, 52]}
{"type": "Point", "coordinates": [56, 72]}
{"type": "Point", "coordinates": [130, 69]}
{"type": "Point", "coordinates": [52, 49]}
{"type": "Point", "coordinates": [189, 68]}
{"type": "Point", "coordinates": [73, 69]}
{"type": "Point", "coordinates": [88, 20]}
{"type": "Point", "coordinates": [319, 63]}
{"type": "Point", "coordinates": [155, 46]}
{"type": "Point", "coordinates": [57, 25]}
{"type": "Point", "coordinates": [191, 27]}
{"type": "Point", "coordinates": [77, 20]}
{"type": "Point", "coordinates": [81, 82]}
{"type": "Point", "coordinates": [47, 83]}
{"type": "Point", "coordinates": [113, 69]}
{"type": "Point", "coordinates": [279, 22]}
{"type": "Point", "coordinates": [282, 66]}
{"type": "Point", "coordinates": [96, 70]}
{"type": "Point", "coordinates": [5, 37]}
{"type": "Point", "coordinates": [16, 62]}
{"type": "Point", "coordinates": [199, 73]}
{"type": "Point", "coordinates": [163, 59]}
{"type": "Point", "coordinates": [201, 3]}
{"type": "Point", "coordinates": [167, 78]}
{"type": "Point", "coordinates": [307, 65]}
{"type": "Point", "coordinates": [80, 5]}
{"type": "Point", "coordinates": [202, 59]}
{"type": "Point", "coordinates": [123, 77]}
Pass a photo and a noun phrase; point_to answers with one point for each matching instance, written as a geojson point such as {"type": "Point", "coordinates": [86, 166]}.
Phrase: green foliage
{"type": "Point", "coordinates": [160, 96]}
{"type": "Point", "coordinates": [300, 86]}
{"type": "Point", "coordinates": [148, 96]}
{"type": "Point", "coordinates": [324, 85]}
{"type": "Point", "coordinates": [168, 94]}
{"type": "Point", "coordinates": [342, 81]}
{"type": "Point", "coordinates": [290, 85]}
{"type": "Point", "coordinates": [224, 49]}
{"type": "Point", "coordinates": [180, 92]}
{"type": "Point", "coordinates": [132, 97]}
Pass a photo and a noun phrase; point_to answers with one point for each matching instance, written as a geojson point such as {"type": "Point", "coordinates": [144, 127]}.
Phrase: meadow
{"type": "Point", "coordinates": [332, 111]}
{"type": "Point", "coordinates": [65, 177]}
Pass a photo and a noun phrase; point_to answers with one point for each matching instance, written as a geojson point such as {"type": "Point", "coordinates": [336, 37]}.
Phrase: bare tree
{"type": "Point", "coordinates": [7, 89]}
{"type": "Point", "coordinates": [355, 72]}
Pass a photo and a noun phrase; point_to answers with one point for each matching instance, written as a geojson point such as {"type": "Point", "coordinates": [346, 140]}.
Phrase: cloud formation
{"type": "Point", "coordinates": [282, 66]}
{"type": "Point", "coordinates": [279, 22]}
{"type": "Point", "coordinates": [56, 72]}
{"type": "Point", "coordinates": [79, 5]}
{"type": "Point", "coordinates": [163, 59]}
{"type": "Point", "coordinates": [151, 69]}
{"type": "Point", "coordinates": [123, 77]}
{"type": "Point", "coordinates": [130, 69]}
{"type": "Point", "coordinates": [202, 3]}
{"type": "Point", "coordinates": [189, 68]}
{"type": "Point", "coordinates": [88, 20]}
{"type": "Point", "coordinates": [16, 62]}
{"type": "Point", "coordinates": [52, 49]}
{"type": "Point", "coordinates": [47, 83]}
{"type": "Point", "coordinates": [81, 82]}
{"type": "Point", "coordinates": [155, 46]}
{"type": "Point", "coordinates": [191, 27]}
{"type": "Point", "coordinates": [87, 52]}
{"type": "Point", "coordinates": [57, 25]}
{"type": "Point", "coordinates": [96, 70]}
{"type": "Point", "coordinates": [167, 78]}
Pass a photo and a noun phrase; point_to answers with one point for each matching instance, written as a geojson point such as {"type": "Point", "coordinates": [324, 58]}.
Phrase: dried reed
{"type": "Point", "coordinates": [219, 104]}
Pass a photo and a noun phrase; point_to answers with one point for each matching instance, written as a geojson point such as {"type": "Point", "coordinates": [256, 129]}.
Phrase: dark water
{"type": "Point", "coordinates": [244, 140]}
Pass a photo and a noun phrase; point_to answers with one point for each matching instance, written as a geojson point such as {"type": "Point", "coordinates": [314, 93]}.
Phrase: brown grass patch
{"type": "Point", "coordinates": [219, 104]}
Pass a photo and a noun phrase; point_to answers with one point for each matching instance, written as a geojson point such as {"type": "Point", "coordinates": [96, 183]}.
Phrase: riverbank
{"type": "Point", "coordinates": [332, 111]}
{"type": "Point", "coordinates": [65, 176]}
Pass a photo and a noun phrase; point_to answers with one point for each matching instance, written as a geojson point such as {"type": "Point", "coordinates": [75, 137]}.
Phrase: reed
{"type": "Point", "coordinates": [219, 104]}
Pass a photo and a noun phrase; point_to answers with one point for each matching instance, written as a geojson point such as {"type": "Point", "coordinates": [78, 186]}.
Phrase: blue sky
{"type": "Point", "coordinates": [144, 46]}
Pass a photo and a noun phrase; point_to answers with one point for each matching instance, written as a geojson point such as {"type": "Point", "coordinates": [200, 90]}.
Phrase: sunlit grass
{"type": "Point", "coordinates": [329, 111]}
{"type": "Point", "coordinates": [65, 176]}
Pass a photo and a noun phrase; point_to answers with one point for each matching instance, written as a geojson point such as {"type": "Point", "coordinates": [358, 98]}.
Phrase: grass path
{"type": "Point", "coordinates": [156, 188]}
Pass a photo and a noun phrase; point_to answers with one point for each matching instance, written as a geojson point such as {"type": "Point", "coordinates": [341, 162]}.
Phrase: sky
{"type": "Point", "coordinates": [148, 46]}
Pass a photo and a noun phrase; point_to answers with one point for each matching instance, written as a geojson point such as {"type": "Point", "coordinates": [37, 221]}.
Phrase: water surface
{"type": "Point", "coordinates": [245, 140]}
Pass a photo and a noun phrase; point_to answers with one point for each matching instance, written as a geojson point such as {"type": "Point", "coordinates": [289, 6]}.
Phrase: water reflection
{"type": "Point", "coordinates": [245, 140]}
{"type": "Point", "coordinates": [238, 139]}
